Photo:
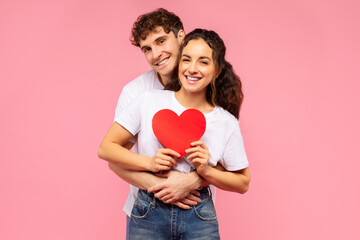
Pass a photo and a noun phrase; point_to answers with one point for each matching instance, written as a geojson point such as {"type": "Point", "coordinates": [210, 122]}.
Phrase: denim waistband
{"type": "Point", "coordinates": [205, 192]}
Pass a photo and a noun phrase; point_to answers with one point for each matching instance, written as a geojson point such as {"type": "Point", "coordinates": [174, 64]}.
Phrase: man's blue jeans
{"type": "Point", "coordinates": [153, 219]}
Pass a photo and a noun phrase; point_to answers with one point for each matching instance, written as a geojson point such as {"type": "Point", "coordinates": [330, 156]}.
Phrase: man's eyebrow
{"type": "Point", "coordinates": [159, 38]}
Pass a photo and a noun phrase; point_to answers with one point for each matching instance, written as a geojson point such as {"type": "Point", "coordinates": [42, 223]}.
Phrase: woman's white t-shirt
{"type": "Point", "coordinates": [222, 135]}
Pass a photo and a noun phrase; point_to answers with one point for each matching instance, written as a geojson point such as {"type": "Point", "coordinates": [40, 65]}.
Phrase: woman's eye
{"type": "Point", "coordinates": [205, 63]}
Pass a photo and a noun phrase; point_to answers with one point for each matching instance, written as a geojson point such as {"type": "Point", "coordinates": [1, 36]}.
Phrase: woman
{"type": "Point", "coordinates": [205, 81]}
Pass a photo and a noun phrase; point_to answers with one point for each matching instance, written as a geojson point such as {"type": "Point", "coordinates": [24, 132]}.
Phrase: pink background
{"type": "Point", "coordinates": [63, 64]}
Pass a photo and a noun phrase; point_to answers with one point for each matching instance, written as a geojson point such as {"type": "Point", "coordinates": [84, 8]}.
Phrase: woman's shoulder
{"type": "Point", "coordinates": [224, 115]}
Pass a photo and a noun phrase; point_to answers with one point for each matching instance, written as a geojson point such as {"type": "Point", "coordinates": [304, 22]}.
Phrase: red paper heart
{"type": "Point", "coordinates": [177, 132]}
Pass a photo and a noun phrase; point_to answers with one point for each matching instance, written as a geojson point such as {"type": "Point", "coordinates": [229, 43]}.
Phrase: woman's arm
{"type": "Point", "coordinates": [236, 181]}
{"type": "Point", "coordinates": [112, 149]}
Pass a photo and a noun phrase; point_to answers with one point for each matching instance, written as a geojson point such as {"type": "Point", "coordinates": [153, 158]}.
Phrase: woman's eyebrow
{"type": "Point", "coordinates": [202, 57]}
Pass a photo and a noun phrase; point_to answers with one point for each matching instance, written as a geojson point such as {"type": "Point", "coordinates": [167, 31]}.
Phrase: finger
{"type": "Point", "coordinates": [163, 162]}
{"type": "Point", "coordinates": [163, 156]}
{"type": "Point", "coordinates": [173, 162]}
{"type": "Point", "coordinates": [199, 143]}
{"type": "Point", "coordinates": [189, 202]}
{"type": "Point", "coordinates": [156, 188]}
{"type": "Point", "coordinates": [195, 192]}
{"type": "Point", "coordinates": [197, 149]}
{"type": "Point", "coordinates": [169, 151]}
{"type": "Point", "coordinates": [193, 198]}
{"type": "Point", "coordinates": [162, 168]}
{"type": "Point", "coordinates": [168, 199]}
{"type": "Point", "coordinates": [160, 194]}
{"type": "Point", "coordinates": [168, 159]}
{"type": "Point", "coordinates": [171, 200]}
{"type": "Point", "coordinates": [181, 205]}
{"type": "Point", "coordinates": [199, 161]}
{"type": "Point", "coordinates": [198, 155]}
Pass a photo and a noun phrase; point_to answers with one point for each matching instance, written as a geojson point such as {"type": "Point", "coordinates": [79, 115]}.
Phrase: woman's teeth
{"type": "Point", "coordinates": [193, 78]}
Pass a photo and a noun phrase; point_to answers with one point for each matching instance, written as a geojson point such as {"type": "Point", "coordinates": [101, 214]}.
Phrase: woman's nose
{"type": "Point", "coordinates": [193, 68]}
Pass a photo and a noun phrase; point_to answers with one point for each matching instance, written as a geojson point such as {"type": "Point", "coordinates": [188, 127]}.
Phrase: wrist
{"type": "Point", "coordinates": [154, 180]}
{"type": "Point", "coordinates": [196, 181]}
{"type": "Point", "coordinates": [204, 172]}
{"type": "Point", "coordinates": [148, 164]}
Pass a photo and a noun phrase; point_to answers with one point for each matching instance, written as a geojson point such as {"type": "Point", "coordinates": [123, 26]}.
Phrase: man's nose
{"type": "Point", "coordinates": [156, 53]}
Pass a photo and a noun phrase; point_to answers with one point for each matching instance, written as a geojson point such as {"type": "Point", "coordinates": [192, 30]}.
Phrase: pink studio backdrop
{"type": "Point", "coordinates": [64, 63]}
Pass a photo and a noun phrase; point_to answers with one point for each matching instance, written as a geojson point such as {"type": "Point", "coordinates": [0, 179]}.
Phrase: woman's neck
{"type": "Point", "coordinates": [193, 100]}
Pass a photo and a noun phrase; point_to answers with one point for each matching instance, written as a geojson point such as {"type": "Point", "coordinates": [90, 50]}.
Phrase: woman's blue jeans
{"type": "Point", "coordinates": [153, 219]}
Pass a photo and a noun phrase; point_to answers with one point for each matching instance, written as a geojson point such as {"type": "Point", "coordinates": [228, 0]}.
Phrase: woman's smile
{"type": "Point", "coordinates": [197, 68]}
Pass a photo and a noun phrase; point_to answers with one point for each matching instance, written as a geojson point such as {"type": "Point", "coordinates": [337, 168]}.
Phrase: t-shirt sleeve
{"type": "Point", "coordinates": [130, 116]}
{"type": "Point", "coordinates": [128, 94]}
{"type": "Point", "coordinates": [234, 155]}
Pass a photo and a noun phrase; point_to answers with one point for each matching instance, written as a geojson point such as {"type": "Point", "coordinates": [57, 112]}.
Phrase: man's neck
{"type": "Point", "coordinates": [163, 79]}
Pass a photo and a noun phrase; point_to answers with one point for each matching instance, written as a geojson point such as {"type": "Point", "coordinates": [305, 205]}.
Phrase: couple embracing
{"type": "Point", "coordinates": [171, 196]}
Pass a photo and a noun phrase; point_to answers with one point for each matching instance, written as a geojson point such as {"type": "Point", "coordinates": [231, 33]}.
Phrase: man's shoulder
{"type": "Point", "coordinates": [145, 81]}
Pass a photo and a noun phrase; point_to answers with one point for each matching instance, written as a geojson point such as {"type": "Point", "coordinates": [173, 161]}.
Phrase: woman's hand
{"type": "Point", "coordinates": [163, 160]}
{"type": "Point", "coordinates": [200, 155]}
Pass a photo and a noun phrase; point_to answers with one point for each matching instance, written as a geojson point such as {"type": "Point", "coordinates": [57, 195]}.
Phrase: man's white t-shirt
{"type": "Point", "coordinates": [147, 81]}
{"type": "Point", "coordinates": [222, 135]}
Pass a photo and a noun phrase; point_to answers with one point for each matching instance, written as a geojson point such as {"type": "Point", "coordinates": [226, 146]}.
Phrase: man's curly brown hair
{"type": "Point", "coordinates": [148, 22]}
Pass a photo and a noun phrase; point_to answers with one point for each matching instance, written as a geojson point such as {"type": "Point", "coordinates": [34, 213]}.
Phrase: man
{"type": "Point", "coordinates": [159, 35]}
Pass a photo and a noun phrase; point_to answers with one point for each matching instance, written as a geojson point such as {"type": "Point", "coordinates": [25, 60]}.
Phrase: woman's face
{"type": "Point", "coordinates": [197, 68]}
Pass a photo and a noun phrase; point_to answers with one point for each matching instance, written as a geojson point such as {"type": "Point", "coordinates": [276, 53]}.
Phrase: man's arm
{"type": "Point", "coordinates": [141, 180]}
{"type": "Point", "coordinates": [145, 180]}
{"type": "Point", "coordinates": [179, 184]}
{"type": "Point", "coordinates": [129, 166]}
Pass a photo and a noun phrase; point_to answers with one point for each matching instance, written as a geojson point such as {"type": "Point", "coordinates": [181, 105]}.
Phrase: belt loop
{"type": "Point", "coordinates": [153, 201]}
{"type": "Point", "coordinates": [209, 190]}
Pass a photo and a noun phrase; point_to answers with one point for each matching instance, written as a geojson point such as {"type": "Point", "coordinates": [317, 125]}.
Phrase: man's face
{"type": "Point", "coordinates": [161, 50]}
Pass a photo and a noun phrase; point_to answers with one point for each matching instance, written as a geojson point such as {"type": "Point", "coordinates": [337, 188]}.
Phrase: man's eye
{"type": "Point", "coordinates": [145, 50]}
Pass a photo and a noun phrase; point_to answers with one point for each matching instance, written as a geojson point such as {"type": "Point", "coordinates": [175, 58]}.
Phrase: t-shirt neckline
{"type": "Point", "coordinates": [173, 98]}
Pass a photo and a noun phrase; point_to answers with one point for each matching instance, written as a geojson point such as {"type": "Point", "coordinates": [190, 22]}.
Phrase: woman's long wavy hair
{"type": "Point", "coordinates": [225, 91]}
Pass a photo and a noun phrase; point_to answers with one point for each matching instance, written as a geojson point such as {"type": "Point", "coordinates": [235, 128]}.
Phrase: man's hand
{"type": "Point", "coordinates": [191, 200]}
{"type": "Point", "coordinates": [176, 189]}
